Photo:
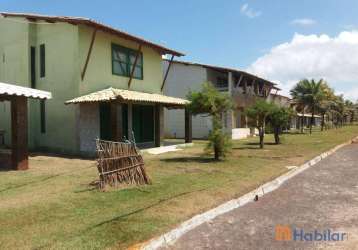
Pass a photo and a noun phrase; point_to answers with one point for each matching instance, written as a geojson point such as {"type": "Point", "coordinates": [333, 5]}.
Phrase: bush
{"type": "Point", "coordinates": [210, 101]}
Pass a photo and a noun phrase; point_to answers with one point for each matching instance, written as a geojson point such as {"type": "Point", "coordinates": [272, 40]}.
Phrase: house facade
{"type": "Point", "coordinates": [242, 87]}
{"type": "Point", "coordinates": [84, 64]}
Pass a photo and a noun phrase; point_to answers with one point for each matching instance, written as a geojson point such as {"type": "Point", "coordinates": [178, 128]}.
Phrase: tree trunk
{"type": "Point", "coordinates": [312, 120]}
{"type": "Point", "coordinates": [302, 122]}
{"type": "Point", "coordinates": [262, 135]}
{"type": "Point", "coordinates": [216, 153]}
{"type": "Point", "coordinates": [277, 135]}
{"type": "Point", "coordinates": [322, 122]}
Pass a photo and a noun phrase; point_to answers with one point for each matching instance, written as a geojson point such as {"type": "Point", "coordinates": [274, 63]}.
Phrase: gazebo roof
{"type": "Point", "coordinates": [111, 94]}
{"type": "Point", "coordinates": [15, 90]}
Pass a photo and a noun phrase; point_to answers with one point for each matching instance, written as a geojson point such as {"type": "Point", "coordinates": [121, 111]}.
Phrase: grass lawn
{"type": "Point", "coordinates": [53, 206]}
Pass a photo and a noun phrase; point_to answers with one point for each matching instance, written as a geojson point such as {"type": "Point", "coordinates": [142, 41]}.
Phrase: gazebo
{"type": "Point", "coordinates": [18, 96]}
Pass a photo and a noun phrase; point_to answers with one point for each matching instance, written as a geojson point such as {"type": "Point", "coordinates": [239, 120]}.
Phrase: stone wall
{"type": "Point", "coordinates": [89, 128]}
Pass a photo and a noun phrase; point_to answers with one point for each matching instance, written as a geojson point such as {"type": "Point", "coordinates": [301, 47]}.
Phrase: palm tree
{"type": "Point", "coordinates": [300, 107]}
{"type": "Point", "coordinates": [326, 103]}
{"type": "Point", "coordinates": [350, 111]}
{"type": "Point", "coordinates": [338, 111]}
{"type": "Point", "coordinates": [310, 94]}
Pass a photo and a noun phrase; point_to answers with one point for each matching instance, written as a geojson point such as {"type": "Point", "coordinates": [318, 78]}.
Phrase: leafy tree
{"type": "Point", "coordinates": [326, 103]}
{"type": "Point", "coordinates": [279, 118]}
{"type": "Point", "coordinates": [258, 114]}
{"type": "Point", "coordinates": [310, 94]}
{"type": "Point", "coordinates": [214, 103]}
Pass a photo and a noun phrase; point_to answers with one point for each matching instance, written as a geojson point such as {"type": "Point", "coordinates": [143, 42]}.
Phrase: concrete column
{"type": "Point", "coordinates": [230, 82]}
{"type": "Point", "coordinates": [116, 122]}
{"type": "Point", "coordinates": [159, 125]}
{"type": "Point", "coordinates": [130, 121]}
{"type": "Point", "coordinates": [188, 127]}
{"type": "Point", "coordinates": [19, 133]}
{"type": "Point", "coordinates": [229, 121]}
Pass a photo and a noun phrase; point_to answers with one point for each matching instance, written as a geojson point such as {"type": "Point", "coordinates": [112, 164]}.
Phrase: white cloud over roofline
{"type": "Point", "coordinates": [313, 56]}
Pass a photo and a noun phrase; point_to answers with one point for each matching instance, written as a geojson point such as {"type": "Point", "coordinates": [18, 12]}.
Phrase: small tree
{"type": "Point", "coordinates": [279, 118]}
{"type": "Point", "coordinates": [258, 113]}
{"type": "Point", "coordinates": [214, 103]}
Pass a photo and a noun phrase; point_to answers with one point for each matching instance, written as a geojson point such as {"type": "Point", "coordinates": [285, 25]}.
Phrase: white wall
{"type": "Point", "coordinates": [181, 79]}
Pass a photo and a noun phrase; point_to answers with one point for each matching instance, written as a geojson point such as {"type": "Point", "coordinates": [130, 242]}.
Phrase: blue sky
{"type": "Point", "coordinates": [231, 33]}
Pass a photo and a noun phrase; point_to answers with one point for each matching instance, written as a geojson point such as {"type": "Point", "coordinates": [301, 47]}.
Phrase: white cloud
{"type": "Point", "coordinates": [313, 56]}
{"type": "Point", "coordinates": [304, 22]}
{"type": "Point", "coordinates": [249, 12]}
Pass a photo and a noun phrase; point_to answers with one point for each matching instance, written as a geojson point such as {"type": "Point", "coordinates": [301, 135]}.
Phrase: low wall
{"type": "Point", "coordinates": [240, 133]}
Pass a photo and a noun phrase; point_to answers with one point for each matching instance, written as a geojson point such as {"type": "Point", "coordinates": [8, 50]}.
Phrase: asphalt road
{"type": "Point", "coordinates": [322, 198]}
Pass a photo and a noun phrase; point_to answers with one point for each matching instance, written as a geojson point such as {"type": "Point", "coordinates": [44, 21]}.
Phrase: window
{"type": "Point", "coordinates": [123, 61]}
{"type": "Point", "coordinates": [42, 60]}
{"type": "Point", "coordinates": [221, 83]}
{"type": "Point", "coordinates": [43, 116]}
{"type": "Point", "coordinates": [33, 66]}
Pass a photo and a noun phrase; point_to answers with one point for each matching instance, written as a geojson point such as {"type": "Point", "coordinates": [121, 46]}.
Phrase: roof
{"type": "Point", "coordinates": [85, 21]}
{"type": "Point", "coordinates": [111, 94]}
{"type": "Point", "coordinates": [282, 96]}
{"type": "Point", "coordinates": [15, 90]}
{"type": "Point", "coordinates": [226, 69]}
{"type": "Point", "coordinates": [308, 115]}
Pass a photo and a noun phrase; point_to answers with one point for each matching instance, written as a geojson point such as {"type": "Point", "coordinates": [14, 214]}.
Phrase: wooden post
{"type": "Point", "coordinates": [188, 126]}
{"type": "Point", "coordinates": [256, 89]}
{"type": "Point", "coordinates": [89, 54]}
{"type": "Point", "coordinates": [134, 65]}
{"type": "Point", "coordinates": [159, 125]}
{"type": "Point", "coordinates": [19, 128]}
{"type": "Point", "coordinates": [167, 72]}
{"type": "Point", "coordinates": [245, 86]}
{"type": "Point", "coordinates": [130, 121]}
{"type": "Point", "coordinates": [116, 122]}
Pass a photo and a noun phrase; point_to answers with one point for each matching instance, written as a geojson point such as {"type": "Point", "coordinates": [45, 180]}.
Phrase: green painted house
{"type": "Point", "coordinates": [105, 83]}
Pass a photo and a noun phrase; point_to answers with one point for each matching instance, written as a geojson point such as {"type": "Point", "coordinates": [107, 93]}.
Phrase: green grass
{"type": "Point", "coordinates": [53, 205]}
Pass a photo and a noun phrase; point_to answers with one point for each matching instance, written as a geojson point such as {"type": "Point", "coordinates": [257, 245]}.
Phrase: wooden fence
{"type": "Point", "coordinates": [120, 163]}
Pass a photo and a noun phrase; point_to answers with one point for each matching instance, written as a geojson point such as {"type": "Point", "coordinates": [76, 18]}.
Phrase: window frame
{"type": "Point", "coordinates": [128, 53]}
{"type": "Point", "coordinates": [42, 60]}
{"type": "Point", "coordinates": [33, 66]}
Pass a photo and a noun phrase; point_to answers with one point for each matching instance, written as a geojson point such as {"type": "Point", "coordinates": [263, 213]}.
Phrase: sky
{"type": "Point", "coordinates": [283, 41]}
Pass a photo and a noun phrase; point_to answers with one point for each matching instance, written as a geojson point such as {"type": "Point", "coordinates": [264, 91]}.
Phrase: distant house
{"type": "Point", "coordinates": [280, 100]}
{"type": "Point", "coordinates": [111, 81]}
{"type": "Point", "coordinates": [300, 118]}
{"type": "Point", "coordinates": [244, 89]}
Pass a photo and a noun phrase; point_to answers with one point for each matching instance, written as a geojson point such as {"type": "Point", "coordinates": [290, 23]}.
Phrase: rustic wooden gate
{"type": "Point", "coordinates": [120, 163]}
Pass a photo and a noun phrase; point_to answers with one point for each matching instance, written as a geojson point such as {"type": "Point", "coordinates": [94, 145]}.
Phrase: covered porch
{"type": "Point", "coordinates": [304, 120]}
{"type": "Point", "coordinates": [17, 157]}
{"type": "Point", "coordinates": [119, 115]}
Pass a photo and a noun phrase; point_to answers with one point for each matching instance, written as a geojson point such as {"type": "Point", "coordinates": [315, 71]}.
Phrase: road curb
{"type": "Point", "coordinates": [170, 237]}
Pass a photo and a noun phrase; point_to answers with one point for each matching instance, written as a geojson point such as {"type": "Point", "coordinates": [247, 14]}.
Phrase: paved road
{"type": "Point", "coordinates": [322, 197]}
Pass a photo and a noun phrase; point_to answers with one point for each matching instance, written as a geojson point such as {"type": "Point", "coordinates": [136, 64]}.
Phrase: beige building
{"type": "Point", "coordinates": [244, 88]}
